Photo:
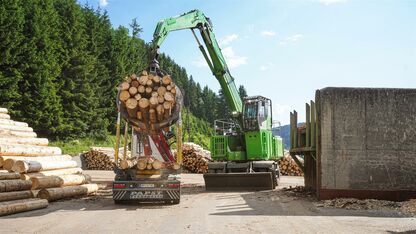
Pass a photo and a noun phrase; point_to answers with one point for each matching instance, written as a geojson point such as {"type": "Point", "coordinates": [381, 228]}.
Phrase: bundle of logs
{"type": "Point", "coordinates": [33, 172]}
{"type": "Point", "coordinates": [289, 167]}
{"type": "Point", "coordinates": [147, 166]}
{"type": "Point", "coordinates": [99, 159]}
{"type": "Point", "coordinates": [195, 158]}
{"type": "Point", "coordinates": [148, 98]}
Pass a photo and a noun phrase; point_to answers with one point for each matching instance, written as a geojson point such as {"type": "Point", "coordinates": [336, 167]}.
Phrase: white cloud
{"type": "Point", "coordinates": [329, 2]}
{"type": "Point", "coordinates": [103, 3]}
{"type": "Point", "coordinates": [281, 113]}
{"type": "Point", "coordinates": [291, 39]}
{"type": "Point", "coordinates": [266, 67]}
{"type": "Point", "coordinates": [200, 62]}
{"type": "Point", "coordinates": [232, 59]}
{"type": "Point", "coordinates": [268, 33]}
{"type": "Point", "coordinates": [224, 41]}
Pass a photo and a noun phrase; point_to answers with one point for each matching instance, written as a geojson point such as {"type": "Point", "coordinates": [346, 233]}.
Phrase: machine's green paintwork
{"type": "Point", "coordinates": [249, 145]}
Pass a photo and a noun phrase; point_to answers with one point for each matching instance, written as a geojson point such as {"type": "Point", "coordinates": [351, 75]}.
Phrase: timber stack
{"type": "Point", "coordinates": [102, 158]}
{"type": "Point", "coordinates": [148, 97]}
{"type": "Point", "coordinates": [29, 166]}
{"type": "Point", "coordinates": [195, 158]}
{"type": "Point", "coordinates": [289, 167]}
{"type": "Point", "coordinates": [147, 166]}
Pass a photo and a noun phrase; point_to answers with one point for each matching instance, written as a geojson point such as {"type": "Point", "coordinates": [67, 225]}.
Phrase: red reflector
{"type": "Point", "coordinates": [173, 185]}
{"type": "Point", "coordinates": [119, 186]}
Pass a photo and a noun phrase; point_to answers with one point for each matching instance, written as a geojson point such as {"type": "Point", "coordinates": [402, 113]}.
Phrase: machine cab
{"type": "Point", "coordinates": [257, 113]}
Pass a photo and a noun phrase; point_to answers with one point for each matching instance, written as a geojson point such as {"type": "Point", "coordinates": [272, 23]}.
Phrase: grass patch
{"type": "Point", "coordinates": [74, 147]}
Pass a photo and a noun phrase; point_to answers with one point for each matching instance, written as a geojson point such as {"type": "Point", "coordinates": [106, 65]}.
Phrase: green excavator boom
{"type": "Point", "coordinates": [247, 154]}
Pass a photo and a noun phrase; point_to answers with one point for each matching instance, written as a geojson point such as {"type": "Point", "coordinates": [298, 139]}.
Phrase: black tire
{"type": "Point", "coordinates": [176, 201]}
{"type": "Point", "coordinates": [119, 202]}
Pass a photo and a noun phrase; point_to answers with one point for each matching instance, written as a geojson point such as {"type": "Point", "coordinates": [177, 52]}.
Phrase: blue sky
{"type": "Point", "coordinates": [285, 50]}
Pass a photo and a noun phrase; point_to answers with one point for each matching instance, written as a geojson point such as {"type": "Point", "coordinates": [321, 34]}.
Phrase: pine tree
{"type": "Point", "coordinates": [11, 41]}
{"type": "Point", "coordinates": [39, 103]}
{"type": "Point", "coordinates": [77, 81]}
{"type": "Point", "coordinates": [242, 91]}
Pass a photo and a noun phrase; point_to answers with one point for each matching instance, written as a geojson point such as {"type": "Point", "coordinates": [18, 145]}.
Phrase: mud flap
{"type": "Point", "coordinates": [239, 181]}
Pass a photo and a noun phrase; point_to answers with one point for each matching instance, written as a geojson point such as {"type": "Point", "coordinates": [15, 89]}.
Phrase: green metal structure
{"type": "Point", "coordinates": [244, 148]}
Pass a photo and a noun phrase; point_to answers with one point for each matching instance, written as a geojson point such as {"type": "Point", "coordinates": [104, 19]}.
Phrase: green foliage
{"type": "Point", "coordinates": [76, 146]}
{"type": "Point", "coordinates": [61, 63]}
{"type": "Point", "coordinates": [195, 129]}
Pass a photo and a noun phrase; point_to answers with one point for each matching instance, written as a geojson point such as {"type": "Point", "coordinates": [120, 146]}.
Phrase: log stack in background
{"type": "Point", "coordinates": [102, 158]}
{"type": "Point", "coordinates": [24, 158]}
{"type": "Point", "coordinates": [289, 167]}
{"type": "Point", "coordinates": [148, 97]}
{"type": "Point", "coordinates": [195, 158]}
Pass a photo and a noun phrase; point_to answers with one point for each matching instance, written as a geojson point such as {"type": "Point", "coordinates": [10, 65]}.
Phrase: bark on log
{"type": "Point", "coordinates": [3, 159]}
{"type": "Point", "coordinates": [160, 111]}
{"type": "Point", "coordinates": [153, 102]}
{"type": "Point", "coordinates": [4, 116]}
{"type": "Point", "coordinates": [13, 207]}
{"type": "Point", "coordinates": [15, 185]}
{"type": "Point", "coordinates": [11, 122]}
{"type": "Point", "coordinates": [33, 166]}
{"type": "Point", "coordinates": [132, 107]}
{"type": "Point", "coordinates": [67, 171]}
{"type": "Point", "coordinates": [139, 115]}
{"type": "Point", "coordinates": [24, 141]}
{"type": "Point", "coordinates": [53, 194]}
{"type": "Point", "coordinates": [28, 150]}
{"type": "Point", "coordinates": [59, 181]}
{"type": "Point", "coordinates": [152, 116]}
{"type": "Point", "coordinates": [4, 132]}
{"type": "Point", "coordinates": [15, 195]}
{"type": "Point", "coordinates": [9, 176]}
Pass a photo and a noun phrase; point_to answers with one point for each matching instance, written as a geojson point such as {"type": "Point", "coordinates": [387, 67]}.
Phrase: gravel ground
{"type": "Point", "coordinates": [277, 211]}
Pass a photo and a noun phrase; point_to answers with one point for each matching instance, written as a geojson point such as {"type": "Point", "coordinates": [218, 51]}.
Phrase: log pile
{"type": "Point", "coordinates": [29, 164]}
{"type": "Point", "coordinates": [195, 158]}
{"type": "Point", "coordinates": [147, 165]}
{"type": "Point", "coordinates": [289, 167]}
{"type": "Point", "coordinates": [98, 160]}
{"type": "Point", "coordinates": [148, 97]}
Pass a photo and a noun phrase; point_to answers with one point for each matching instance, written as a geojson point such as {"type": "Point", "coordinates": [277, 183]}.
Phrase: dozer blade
{"type": "Point", "coordinates": [238, 181]}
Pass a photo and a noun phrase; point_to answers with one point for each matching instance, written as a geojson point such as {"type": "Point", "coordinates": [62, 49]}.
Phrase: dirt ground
{"type": "Point", "coordinates": [278, 211]}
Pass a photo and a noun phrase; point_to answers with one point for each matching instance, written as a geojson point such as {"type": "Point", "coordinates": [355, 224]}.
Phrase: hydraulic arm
{"type": "Point", "coordinates": [197, 20]}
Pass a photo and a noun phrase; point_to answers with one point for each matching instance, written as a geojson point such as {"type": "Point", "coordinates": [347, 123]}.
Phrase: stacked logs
{"type": "Point", "coordinates": [98, 160]}
{"type": "Point", "coordinates": [148, 98]}
{"type": "Point", "coordinates": [289, 167]}
{"type": "Point", "coordinates": [25, 158]}
{"type": "Point", "coordinates": [195, 158]}
{"type": "Point", "coordinates": [147, 165]}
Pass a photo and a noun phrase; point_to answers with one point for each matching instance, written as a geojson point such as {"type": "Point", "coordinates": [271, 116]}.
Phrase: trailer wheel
{"type": "Point", "coordinates": [175, 201]}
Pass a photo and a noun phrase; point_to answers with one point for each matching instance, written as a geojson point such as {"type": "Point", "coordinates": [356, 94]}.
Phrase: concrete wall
{"type": "Point", "coordinates": [368, 139]}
